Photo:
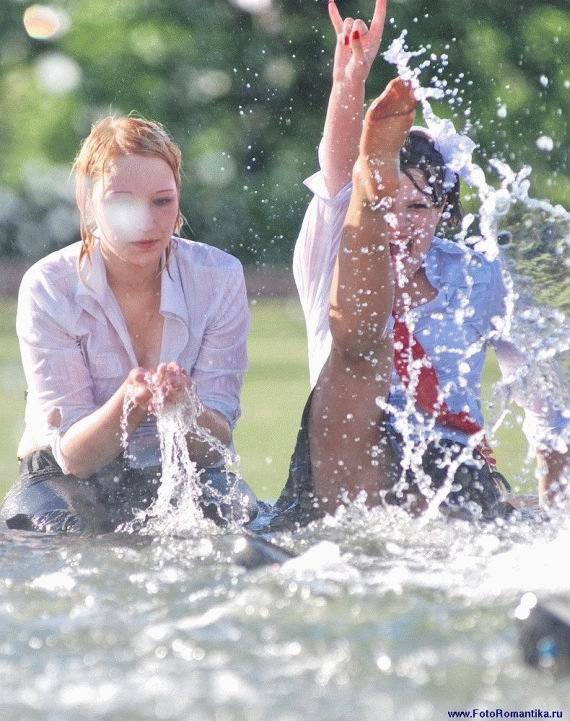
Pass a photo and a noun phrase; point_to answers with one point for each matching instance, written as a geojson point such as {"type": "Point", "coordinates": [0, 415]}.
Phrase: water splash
{"type": "Point", "coordinates": [177, 506]}
{"type": "Point", "coordinates": [539, 262]}
{"type": "Point", "coordinates": [494, 202]}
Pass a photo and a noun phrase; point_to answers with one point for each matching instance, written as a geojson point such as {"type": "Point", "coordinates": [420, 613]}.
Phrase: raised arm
{"type": "Point", "coordinates": [344, 424]}
{"type": "Point", "coordinates": [355, 50]}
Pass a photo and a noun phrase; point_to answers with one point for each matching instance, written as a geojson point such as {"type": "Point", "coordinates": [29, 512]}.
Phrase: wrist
{"type": "Point", "coordinates": [350, 86]}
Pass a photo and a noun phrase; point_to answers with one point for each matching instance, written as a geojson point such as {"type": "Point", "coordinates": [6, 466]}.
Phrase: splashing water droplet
{"type": "Point", "coordinates": [545, 143]}
{"type": "Point", "coordinates": [176, 508]}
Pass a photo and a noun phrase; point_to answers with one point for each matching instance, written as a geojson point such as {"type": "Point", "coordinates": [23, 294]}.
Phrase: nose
{"type": "Point", "coordinates": [143, 219]}
{"type": "Point", "coordinates": [402, 222]}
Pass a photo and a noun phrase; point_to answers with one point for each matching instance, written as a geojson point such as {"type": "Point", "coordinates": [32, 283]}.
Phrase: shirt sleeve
{"type": "Point", "coordinates": [546, 423]}
{"type": "Point", "coordinates": [57, 376]}
{"type": "Point", "coordinates": [222, 360]}
{"type": "Point", "coordinates": [313, 264]}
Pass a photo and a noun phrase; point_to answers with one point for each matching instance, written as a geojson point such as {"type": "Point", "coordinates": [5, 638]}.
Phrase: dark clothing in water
{"type": "Point", "coordinates": [475, 491]}
{"type": "Point", "coordinates": [45, 499]}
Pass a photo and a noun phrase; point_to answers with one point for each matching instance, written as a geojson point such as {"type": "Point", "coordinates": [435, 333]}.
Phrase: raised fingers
{"type": "Point", "coordinates": [335, 17]}
{"type": "Point", "coordinates": [379, 18]}
{"type": "Point", "coordinates": [359, 29]}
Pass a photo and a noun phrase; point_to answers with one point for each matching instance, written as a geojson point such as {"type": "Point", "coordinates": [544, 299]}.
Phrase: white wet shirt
{"type": "Point", "coordinates": [454, 328]}
{"type": "Point", "coordinates": [76, 350]}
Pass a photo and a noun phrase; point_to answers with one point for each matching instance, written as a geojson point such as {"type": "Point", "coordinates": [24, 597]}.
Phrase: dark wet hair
{"type": "Point", "coordinates": [419, 152]}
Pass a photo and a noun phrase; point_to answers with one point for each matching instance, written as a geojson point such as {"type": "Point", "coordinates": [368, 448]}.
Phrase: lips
{"type": "Point", "coordinates": [399, 246]}
{"type": "Point", "coordinates": [145, 244]}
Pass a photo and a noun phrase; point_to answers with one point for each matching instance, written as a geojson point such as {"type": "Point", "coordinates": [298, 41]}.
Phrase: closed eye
{"type": "Point", "coordinates": [162, 201]}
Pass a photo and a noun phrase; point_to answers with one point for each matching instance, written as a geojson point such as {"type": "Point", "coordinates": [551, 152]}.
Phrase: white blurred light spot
{"type": "Point", "coordinates": [212, 84]}
{"type": "Point", "coordinates": [543, 81]}
{"type": "Point", "coordinates": [252, 6]}
{"type": "Point", "coordinates": [502, 111]}
{"type": "Point", "coordinates": [127, 218]}
{"type": "Point", "coordinates": [57, 73]}
{"type": "Point", "coordinates": [280, 72]}
{"type": "Point", "coordinates": [215, 168]}
{"type": "Point", "coordinates": [384, 662]}
{"type": "Point", "coordinates": [544, 142]}
{"type": "Point", "coordinates": [527, 603]}
{"type": "Point", "coordinates": [45, 22]}
{"type": "Point", "coordinates": [58, 581]}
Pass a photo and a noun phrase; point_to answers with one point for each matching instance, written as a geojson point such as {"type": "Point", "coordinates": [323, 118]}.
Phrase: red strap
{"type": "Point", "coordinates": [427, 389]}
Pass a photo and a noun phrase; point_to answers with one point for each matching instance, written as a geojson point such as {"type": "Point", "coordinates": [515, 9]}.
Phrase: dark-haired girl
{"type": "Point", "coordinates": [398, 318]}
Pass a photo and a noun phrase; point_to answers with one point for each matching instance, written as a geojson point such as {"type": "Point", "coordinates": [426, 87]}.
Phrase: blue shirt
{"type": "Point", "coordinates": [468, 313]}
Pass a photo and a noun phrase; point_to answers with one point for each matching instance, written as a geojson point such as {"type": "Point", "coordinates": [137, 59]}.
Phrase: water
{"type": "Point", "coordinates": [381, 617]}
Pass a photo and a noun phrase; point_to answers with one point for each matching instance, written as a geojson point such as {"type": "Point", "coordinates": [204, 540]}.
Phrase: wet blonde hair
{"type": "Point", "coordinates": [110, 138]}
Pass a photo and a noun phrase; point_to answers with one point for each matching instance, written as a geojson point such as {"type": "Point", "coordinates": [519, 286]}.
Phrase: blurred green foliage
{"type": "Point", "coordinates": [244, 94]}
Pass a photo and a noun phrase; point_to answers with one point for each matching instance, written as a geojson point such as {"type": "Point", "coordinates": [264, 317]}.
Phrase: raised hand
{"type": "Point", "coordinates": [357, 45]}
{"type": "Point", "coordinates": [386, 125]}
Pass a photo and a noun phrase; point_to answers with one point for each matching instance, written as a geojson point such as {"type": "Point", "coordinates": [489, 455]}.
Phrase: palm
{"type": "Point", "coordinates": [358, 69]}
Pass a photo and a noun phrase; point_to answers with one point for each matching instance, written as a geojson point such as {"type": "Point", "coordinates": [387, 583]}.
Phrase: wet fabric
{"type": "Point", "coordinates": [45, 499]}
{"type": "Point", "coordinates": [454, 328]}
{"type": "Point", "coordinates": [76, 349]}
{"type": "Point", "coordinates": [476, 491]}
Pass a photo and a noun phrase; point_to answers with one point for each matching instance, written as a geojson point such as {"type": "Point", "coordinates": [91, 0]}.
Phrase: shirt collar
{"type": "Point", "coordinates": [172, 300]}
{"type": "Point", "coordinates": [92, 281]}
{"type": "Point", "coordinates": [435, 258]}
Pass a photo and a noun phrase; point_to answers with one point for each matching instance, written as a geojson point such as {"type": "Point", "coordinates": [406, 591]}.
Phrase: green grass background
{"type": "Point", "coordinates": [274, 393]}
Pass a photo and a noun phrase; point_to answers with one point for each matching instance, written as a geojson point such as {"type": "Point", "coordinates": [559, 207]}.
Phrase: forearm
{"type": "Point", "coordinates": [362, 291]}
{"type": "Point", "coordinates": [94, 441]}
{"type": "Point", "coordinates": [341, 135]}
{"type": "Point", "coordinates": [201, 451]}
{"type": "Point", "coordinates": [552, 484]}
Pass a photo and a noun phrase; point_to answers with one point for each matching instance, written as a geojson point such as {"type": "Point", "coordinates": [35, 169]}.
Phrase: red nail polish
{"type": "Point", "coordinates": [356, 35]}
{"type": "Point", "coordinates": [346, 40]}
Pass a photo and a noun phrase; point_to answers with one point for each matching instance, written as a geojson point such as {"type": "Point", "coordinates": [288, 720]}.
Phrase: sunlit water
{"type": "Point", "coordinates": [380, 616]}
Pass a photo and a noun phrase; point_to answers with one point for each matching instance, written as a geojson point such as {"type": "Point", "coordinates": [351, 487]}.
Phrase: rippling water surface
{"type": "Point", "coordinates": [379, 617]}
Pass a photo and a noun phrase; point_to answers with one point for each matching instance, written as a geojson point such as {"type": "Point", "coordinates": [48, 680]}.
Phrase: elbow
{"type": "Point", "coordinates": [74, 467]}
{"type": "Point", "coordinates": [75, 463]}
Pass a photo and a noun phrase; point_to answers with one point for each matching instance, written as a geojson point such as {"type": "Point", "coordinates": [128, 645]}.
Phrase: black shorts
{"type": "Point", "coordinates": [45, 499]}
{"type": "Point", "coordinates": [475, 493]}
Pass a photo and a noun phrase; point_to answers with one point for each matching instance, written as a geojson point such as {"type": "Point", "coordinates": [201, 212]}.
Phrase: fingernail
{"type": "Point", "coordinates": [346, 39]}
{"type": "Point", "coordinates": [356, 35]}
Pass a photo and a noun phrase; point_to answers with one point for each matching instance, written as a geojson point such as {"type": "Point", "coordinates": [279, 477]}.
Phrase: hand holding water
{"type": "Point", "coordinates": [171, 383]}
{"type": "Point", "coordinates": [357, 45]}
{"type": "Point", "coordinates": [139, 388]}
{"type": "Point", "coordinates": [150, 390]}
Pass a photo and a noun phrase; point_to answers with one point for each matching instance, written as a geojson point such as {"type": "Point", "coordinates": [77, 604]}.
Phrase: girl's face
{"type": "Point", "coordinates": [135, 206]}
{"type": "Point", "coordinates": [414, 221]}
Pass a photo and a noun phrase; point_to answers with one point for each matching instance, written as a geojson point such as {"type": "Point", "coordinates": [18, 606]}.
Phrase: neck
{"type": "Point", "coordinates": [129, 278]}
